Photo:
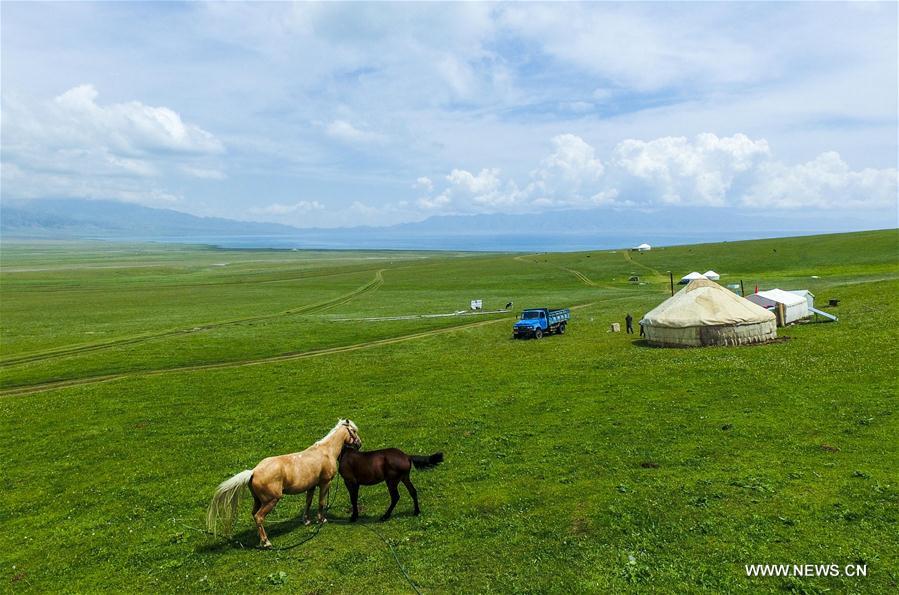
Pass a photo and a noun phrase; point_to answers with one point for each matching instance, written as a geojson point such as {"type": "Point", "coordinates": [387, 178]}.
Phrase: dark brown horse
{"type": "Point", "coordinates": [391, 465]}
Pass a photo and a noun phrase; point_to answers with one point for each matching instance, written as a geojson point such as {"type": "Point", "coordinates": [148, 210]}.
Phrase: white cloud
{"type": "Point", "coordinates": [72, 146]}
{"type": "Point", "coordinates": [284, 209]}
{"type": "Point", "coordinates": [137, 167]}
{"type": "Point", "coordinates": [130, 127]}
{"type": "Point", "coordinates": [707, 170]}
{"type": "Point", "coordinates": [485, 182]}
{"type": "Point", "coordinates": [204, 173]}
{"type": "Point", "coordinates": [570, 169]}
{"type": "Point", "coordinates": [578, 107]}
{"type": "Point", "coordinates": [630, 47]}
{"type": "Point", "coordinates": [680, 171]}
{"type": "Point", "coordinates": [826, 182]}
{"type": "Point", "coordinates": [439, 202]}
{"type": "Point", "coordinates": [345, 132]}
{"type": "Point", "coordinates": [424, 183]}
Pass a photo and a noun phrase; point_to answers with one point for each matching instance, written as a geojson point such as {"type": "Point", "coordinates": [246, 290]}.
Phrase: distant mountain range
{"type": "Point", "coordinates": [73, 218]}
{"type": "Point", "coordinates": [557, 230]}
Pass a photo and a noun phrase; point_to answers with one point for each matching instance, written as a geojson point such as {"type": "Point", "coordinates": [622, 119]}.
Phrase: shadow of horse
{"type": "Point", "coordinates": [248, 539]}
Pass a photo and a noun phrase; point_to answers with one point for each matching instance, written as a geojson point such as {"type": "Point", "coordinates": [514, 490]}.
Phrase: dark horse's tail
{"type": "Point", "coordinates": [422, 462]}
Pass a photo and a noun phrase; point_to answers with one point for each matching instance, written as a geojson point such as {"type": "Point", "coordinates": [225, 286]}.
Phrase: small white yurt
{"type": "Point", "coordinates": [795, 306]}
{"type": "Point", "coordinates": [644, 248]}
{"type": "Point", "coordinates": [704, 313]}
{"type": "Point", "coordinates": [690, 277]}
{"type": "Point", "coordinates": [711, 275]}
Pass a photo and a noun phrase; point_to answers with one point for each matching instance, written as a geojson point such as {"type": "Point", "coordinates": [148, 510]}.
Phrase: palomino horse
{"type": "Point", "coordinates": [286, 474]}
{"type": "Point", "coordinates": [391, 465]}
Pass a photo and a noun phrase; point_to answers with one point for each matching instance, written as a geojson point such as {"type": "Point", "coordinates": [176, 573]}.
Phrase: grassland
{"type": "Point", "coordinates": [136, 377]}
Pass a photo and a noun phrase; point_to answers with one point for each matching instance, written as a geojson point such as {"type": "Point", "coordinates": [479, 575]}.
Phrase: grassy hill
{"type": "Point", "coordinates": [137, 377]}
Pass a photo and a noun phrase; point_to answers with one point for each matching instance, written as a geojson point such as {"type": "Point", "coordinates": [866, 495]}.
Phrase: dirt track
{"type": "Point", "coordinates": [297, 355]}
{"type": "Point", "coordinates": [307, 309]}
{"type": "Point", "coordinates": [44, 386]}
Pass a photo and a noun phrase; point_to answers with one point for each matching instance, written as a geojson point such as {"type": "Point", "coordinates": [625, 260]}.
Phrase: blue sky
{"type": "Point", "coordinates": [347, 114]}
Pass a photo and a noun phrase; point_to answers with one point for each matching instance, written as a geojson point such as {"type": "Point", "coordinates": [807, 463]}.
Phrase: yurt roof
{"type": "Point", "coordinates": [644, 246]}
{"type": "Point", "coordinates": [782, 297]}
{"type": "Point", "coordinates": [710, 273]}
{"type": "Point", "coordinates": [705, 303]}
{"type": "Point", "coordinates": [802, 292]}
{"type": "Point", "coordinates": [693, 276]}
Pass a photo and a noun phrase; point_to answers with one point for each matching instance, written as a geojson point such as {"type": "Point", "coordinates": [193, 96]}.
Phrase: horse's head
{"type": "Point", "coordinates": [352, 434]}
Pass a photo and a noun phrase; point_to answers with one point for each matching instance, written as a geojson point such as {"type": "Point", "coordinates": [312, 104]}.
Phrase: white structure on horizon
{"type": "Point", "coordinates": [643, 248]}
{"type": "Point", "coordinates": [711, 275]}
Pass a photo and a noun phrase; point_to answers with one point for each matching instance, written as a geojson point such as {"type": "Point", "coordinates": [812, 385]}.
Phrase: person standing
{"type": "Point", "coordinates": [629, 323]}
{"type": "Point", "coordinates": [642, 330]}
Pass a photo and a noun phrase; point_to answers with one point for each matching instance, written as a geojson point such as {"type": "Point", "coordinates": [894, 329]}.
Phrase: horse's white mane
{"type": "Point", "coordinates": [341, 423]}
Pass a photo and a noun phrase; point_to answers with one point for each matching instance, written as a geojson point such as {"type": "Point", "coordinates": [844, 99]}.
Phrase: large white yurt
{"type": "Point", "coordinates": [704, 313]}
{"type": "Point", "coordinates": [795, 306]}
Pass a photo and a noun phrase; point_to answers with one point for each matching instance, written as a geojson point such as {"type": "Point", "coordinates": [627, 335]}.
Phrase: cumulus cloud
{"type": "Point", "coordinates": [425, 183]}
{"type": "Point", "coordinates": [569, 170]}
{"type": "Point", "coordinates": [826, 181]}
{"type": "Point", "coordinates": [683, 171]}
{"type": "Point", "coordinates": [130, 127]}
{"type": "Point", "coordinates": [706, 170]}
{"type": "Point", "coordinates": [75, 146]}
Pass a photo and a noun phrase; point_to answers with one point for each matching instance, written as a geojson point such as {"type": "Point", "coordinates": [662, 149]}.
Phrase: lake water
{"type": "Point", "coordinates": [507, 242]}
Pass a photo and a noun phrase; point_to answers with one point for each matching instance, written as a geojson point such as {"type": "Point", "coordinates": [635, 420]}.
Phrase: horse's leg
{"type": "Point", "coordinates": [257, 504]}
{"type": "Point", "coordinates": [309, 494]}
{"type": "Point", "coordinates": [259, 517]}
{"type": "Point", "coordinates": [394, 497]}
{"type": "Point", "coordinates": [323, 488]}
{"type": "Point", "coordinates": [408, 483]}
{"type": "Point", "coordinates": [353, 489]}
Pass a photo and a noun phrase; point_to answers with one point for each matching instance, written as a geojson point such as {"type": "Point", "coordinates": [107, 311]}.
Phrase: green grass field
{"type": "Point", "coordinates": [136, 377]}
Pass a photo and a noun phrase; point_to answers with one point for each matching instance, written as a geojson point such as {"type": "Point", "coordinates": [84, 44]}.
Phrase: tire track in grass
{"type": "Point", "coordinates": [627, 257]}
{"type": "Point", "coordinates": [307, 309]}
{"type": "Point", "coordinates": [284, 357]}
{"type": "Point", "coordinates": [579, 275]}
{"type": "Point", "coordinates": [582, 277]}
{"type": "Point", "coordinates": [239, 281]}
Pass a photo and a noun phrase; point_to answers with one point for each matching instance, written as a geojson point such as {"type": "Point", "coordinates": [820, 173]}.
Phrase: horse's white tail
{"type": "Point", "coordinates": [225, 501]}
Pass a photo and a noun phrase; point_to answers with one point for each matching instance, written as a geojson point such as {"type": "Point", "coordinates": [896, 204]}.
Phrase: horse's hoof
{"type": "Point", "coordinates": [353, 519]}
{"type": "Point", "coordinates": [322, 521]}
{"type": "Point", "coordinates": [307, 522]}
{"type": "Point", "coordinates": [384, 518]}
{"type": "Point", "coordinates": [266, 546]}
{"type": "Point", "coordinates": [416, 512]}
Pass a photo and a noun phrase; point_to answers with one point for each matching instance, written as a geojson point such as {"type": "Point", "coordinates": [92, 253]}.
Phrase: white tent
{"type": "Point", "coordinates": [690, 277]}
{"type": "Point", "coordinates": [795, 306]}
{"type": "Point", "coordinates": [704, 313]}
{"type": "Point", "coordinates": [711, 275]}
{"type": "Point", "coordinates": [808, 295]}
{"type": "Point", "coordinates": [644, 248]}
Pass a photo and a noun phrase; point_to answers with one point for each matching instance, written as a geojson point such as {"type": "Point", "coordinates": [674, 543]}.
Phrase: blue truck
{"type": "Point", "coordinates": [537, 322]}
